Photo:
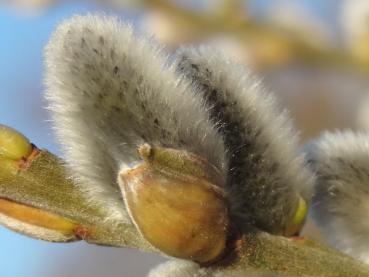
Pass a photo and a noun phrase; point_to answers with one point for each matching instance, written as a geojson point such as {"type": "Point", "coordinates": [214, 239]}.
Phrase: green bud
{"type": "Point", "coordinates": [297, 221]}
{"type": "Point", "coordinates": [13, 145]}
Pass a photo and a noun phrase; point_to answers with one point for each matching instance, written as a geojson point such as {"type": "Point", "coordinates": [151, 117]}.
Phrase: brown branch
{"type": "Point", "coordinates": [43, 184]}
{"type": "Point", "coordinates": [261, 252]}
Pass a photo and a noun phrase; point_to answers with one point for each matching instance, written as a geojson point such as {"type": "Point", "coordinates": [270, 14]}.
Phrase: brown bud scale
{"type": "Point", "coordinates": [183, 216]}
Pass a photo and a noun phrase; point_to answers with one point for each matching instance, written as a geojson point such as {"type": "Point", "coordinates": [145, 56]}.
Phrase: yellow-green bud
{"type": "Point", "coordinates": [13, 145]}
{"type": "Point", "coordinates": [295, 224]}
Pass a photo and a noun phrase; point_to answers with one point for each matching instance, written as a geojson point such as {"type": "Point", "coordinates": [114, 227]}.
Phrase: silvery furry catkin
{"type": "Point", "coordinates": [180, 268]}
{"type": "Point", "coordinates": [340, 204]}
{"type": "Point", "coordinates": [177, 268]}
{"type": "Point", "coordinates": [266, 173]}
{"type": "Point", "coordinates": [109, 91]}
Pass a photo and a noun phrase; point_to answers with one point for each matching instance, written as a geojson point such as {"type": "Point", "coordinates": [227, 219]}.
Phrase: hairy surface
{"type": "Point", "coordinates": [180, 268]}
{"type": "Point", "coordinates": [341, 200]}
{"type": "Point", "coordinates": [265, 171]}
{"type": "Point", "coordinates": [176, 268]}
{"type": "Point", "coordinates": [110, 91]}
{"type": "Point", "coordinates": [34, 231]}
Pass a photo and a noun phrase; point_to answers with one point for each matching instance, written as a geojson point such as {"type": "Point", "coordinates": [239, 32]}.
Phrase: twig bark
{"type": "Point", "coordinates": [44, 184]}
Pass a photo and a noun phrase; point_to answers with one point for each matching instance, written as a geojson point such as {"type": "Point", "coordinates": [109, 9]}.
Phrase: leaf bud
{"type": "Point", "coordinates": [175, 202]}
{"type": "Point", "coordinates": [13, 145]}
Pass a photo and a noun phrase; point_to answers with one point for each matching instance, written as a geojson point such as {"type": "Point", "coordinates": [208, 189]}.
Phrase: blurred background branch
{"type": "Point", "coordinates": [270, 40]}
{"type": "Point", "coordinates": [270, 44]}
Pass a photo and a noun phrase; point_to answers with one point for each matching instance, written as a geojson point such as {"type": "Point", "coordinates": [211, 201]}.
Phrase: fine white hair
{"type": "Point", "coordinates": [110, 90]}
{"type": "Point", "coordinates": [176, 268]}
{"type": "Point", "coordinates": [341, 200]}
{"type": "Point", "coordinates": [181, 268]}
{"type": "Point", "coordinates": [266, 170]}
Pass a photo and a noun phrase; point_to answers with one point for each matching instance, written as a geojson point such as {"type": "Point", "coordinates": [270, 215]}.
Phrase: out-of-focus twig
{"type": "Point", "coordinates": [270, 44]}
